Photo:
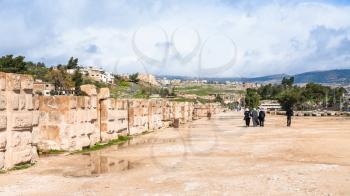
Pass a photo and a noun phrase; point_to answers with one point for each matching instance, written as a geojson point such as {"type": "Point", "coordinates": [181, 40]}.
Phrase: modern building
{"type": "Point", "coordinates": [43, 88]}
{"type": "Point", "coordinates": [270, 105]}
{"type": "Point", "coordinates": [98, 74]}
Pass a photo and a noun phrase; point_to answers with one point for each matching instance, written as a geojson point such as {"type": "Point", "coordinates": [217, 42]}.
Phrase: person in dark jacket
{"type": "Point", "coordinates": [255, 115]}
{"type": "Point", "coordinates": [247, 117]}
{"type": "Point", "coordinates": [262, 117]}
{"type": "Point", "coordinates": [289, 114]}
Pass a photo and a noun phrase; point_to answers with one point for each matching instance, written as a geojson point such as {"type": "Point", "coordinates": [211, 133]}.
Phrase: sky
{"type": "Point", "coordinates": [216, 38]}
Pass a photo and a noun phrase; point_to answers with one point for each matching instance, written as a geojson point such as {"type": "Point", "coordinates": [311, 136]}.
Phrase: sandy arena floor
{"type": "Point", "coordinates": [208, 157]}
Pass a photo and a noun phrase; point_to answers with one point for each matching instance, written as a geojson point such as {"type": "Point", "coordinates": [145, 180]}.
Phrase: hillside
{"type": "Point", "coordinates": [338, 76]}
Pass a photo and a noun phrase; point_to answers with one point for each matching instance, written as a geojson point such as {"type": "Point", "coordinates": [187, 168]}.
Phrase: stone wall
{"type": "Point", "coordinates": [67, 123]}
{"type": "Point", "coordinates": [138, 116]}
{"type": "Point", "coordinates": [30, 122]}
{"type": "Point", "coordinates": [155, 117]}
{"type": "Point", "coordinates": [18, 115]}
{"type": "Point", "coordinates": [114, 118]}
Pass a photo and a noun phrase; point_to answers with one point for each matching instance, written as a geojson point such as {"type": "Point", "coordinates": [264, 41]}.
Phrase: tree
{"type": "Point", "coordinates": [12, 64]}
{"type": "Point", "coordinates": [61, 79]}
{"type": "Point", "coordinates": [164, 92]}
{"type": "Point", "coordinates": [134, 78]}
{"type": "Point", "coordinates": [72, 63]}
{"type": "Point", "coordinates": [288, 82]}
{"type": "Point", "coordinates": [289, 99]}
{"type": "Point", "coordinates": [78, 80]}
{"type": "Point", "coordinates": [219, 99]}
{"type": "Point", "coordinates": [252, 99]}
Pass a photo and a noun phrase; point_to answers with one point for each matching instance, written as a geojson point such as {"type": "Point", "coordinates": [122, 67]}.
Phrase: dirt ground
{"type": "Point", "coordinates": [208, 157]}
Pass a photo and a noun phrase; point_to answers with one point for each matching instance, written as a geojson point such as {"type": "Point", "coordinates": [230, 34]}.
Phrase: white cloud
{"type": "Point", "coordinates": [271, 38]}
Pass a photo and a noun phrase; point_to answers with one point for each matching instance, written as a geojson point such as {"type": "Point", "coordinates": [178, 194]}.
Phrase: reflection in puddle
{"type": "Point", "coordinates": [97, 164]}
{"type": "Point", "coordinates": [140, 141]}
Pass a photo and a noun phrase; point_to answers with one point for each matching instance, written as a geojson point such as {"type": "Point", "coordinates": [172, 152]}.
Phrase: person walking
{"type": "Point", "coordinates": [255, 116]}
{"type": "Point", "coordinates": [289, 114]}
{"type": "Point", "coordinates": [247, 117]}
{"type": "Point", "coordinates": [262, 117]}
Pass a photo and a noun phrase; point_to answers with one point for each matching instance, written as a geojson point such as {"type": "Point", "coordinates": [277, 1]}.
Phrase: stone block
{"type": "Point", "coordinates": [3, 122]}
{"type": "Point", "coordinates": [81, 102]}
{"type": "Point", "coordinates": [94, 102]}
{"type": "Point", "coordinates": [13, 82]}
{"type": "Point", "coordinates": [36, 116]}
{"type": "Point", "coordinates": [55, 117]}
{"type": "Point", "coordinates": [29, 101]}
{"type": "Point", "coordinates": [35, 103]}
{"type": "Point", "coordinates": [2, 159]}
{"type": "Point", "coordinates": [21, 101]}
{"type": "Point", "coordinates": [22, 121]}
{"type": "Point", "coordinates": [26, 82]}
{"type": "Point", "coordinates": [14, 101]}
{"type": "Point", "coordinates": [54, 103]}
{"type": "Point", "coordinates": [73, 102]}
{"type": "Point", "coordinates": [2, 101]}
{"type": "Point", "coordinates": [104, 93]}
{"type": "Point", "coordinates": [50, 132]}
{"type": "Point", "coordinates": [2, 81]}
{"type": "Point", "coordinates": [89, 89]}
{"type": "Point", "coordinates": [3, 140]}
{"type": "Point", "coordinates": [22, 156]}
{"type": "Point", "coordinates": [87, 101]}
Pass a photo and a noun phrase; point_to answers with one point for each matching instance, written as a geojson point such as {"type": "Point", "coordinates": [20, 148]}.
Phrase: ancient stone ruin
{"type": "Point", "coordinates": [31, 123]}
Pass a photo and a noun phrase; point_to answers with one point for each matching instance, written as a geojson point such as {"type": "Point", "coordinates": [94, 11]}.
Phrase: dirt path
{"type": "Point", "coordinates": [210, 157]}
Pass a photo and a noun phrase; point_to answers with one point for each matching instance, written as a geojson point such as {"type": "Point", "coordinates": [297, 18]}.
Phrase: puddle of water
{"type": "Point", "coordinates": [96, 164]}
{"type": "Point", "coordinates": [142, 141]}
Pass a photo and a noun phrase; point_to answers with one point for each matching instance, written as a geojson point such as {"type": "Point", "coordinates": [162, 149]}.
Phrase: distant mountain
{"type": "Point", "coordinates": [338, 76]}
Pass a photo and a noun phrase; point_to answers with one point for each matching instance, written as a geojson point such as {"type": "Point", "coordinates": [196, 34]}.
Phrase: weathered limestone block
{"type": "Point", "coordinates": [22, 120]}
{"type": "Point", "coordinates": [3, 122]}
{"type": "Point", "coordinates": [81, 104]}
{"type": "Point", "coordinates": [55, 103]}
{"type": "Point", "coordinates": [2, 81]}
{"type": "Point", "coordinates": [55, 117]}
{"type": "Point", "coordinates": [36, 136]}
{"type": "Point", "coordinates": [20, 139]}
{"type": "Point", "coordinates": [29, 101]}
{"type": "Point", "coordinates": [3, 140]}
{"type": "Point", "coordinates": [93, 102]}
{"type": "Point", "coordinates": [50, 132]}
{"type": "Point", "coordinates": [2, 101]}
{"type": "Point", "coordinates": [26, 82]}
{"type": "Point", "coordinates": [87, 101]}
{"type": "Point", "coordinates": [89, 89]}
{"type": "Point", "coordinates": [46, 145]}
{"type": "Point", "coordinates": [104, 93]}
{"type": "Point", "coordinates": [35, 103]}
{"type": "Point", "coordinates": [22, 156]}
{"type": "Point", "coordinates": [21, 102]}
{"type": "Point", "coordinates": [73, 101]}
{"type": "Point", "coordinates": [14, 101]}
{"type": "Point", "coordinates": [2, 159]}
{"type": "Point", "coordinates": [35, 119]}
{"type": "Point", "coordinates": [13, 82]}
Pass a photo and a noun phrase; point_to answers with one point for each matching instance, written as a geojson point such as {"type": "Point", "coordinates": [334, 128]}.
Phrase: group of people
{"type": "Point", "coordinates": [257, 117]}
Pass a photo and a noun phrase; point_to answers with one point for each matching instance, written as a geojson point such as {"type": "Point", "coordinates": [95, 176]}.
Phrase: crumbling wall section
{"type": "Point", "coordinates": [155, 117]}
{"type": "Point", "coordinates": [67, 123]}
{"type": "Point", "coordinates": [18, 115]}
{"type": "Point", "coordinates": [114, 118]}
{"type": "Point", "coordinates": [138, 116]}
